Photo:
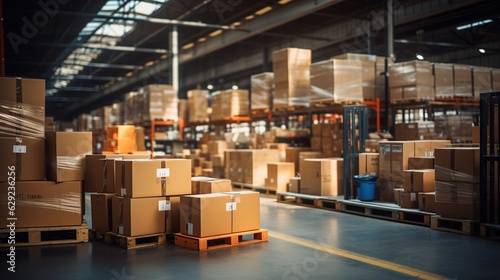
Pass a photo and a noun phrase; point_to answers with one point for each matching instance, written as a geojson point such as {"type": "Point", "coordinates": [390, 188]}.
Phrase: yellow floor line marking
{"type": "Point", "coordinates": [361, 258]}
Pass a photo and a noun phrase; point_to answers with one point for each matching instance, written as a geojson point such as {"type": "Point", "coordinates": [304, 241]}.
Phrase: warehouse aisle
{"type": "Point", "coordinates": [304, 243]}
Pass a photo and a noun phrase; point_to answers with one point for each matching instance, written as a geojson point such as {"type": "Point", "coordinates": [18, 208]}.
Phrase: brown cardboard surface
{"type": "Point", "coordinates": [386, 190]}
{"type": "Point", "coordinates": [421, 163]}
{"type": "Point", "coordinates": [203, 185]}
{"type": "Point", "coordinates": [385, 160]}
{"type": "Point", "coordinates": [246, 214]}
{"type": "Point", "coordinates": [294, 185]}
{"type": "Point", "coordinates": [457, 200]}
{"type": "Point", "coordinates": [443, 80]}
{"type": "Point", "coordinates": [148, 178]}
{"type": "Point", "coordinates": [458, 164]}
{"type": "Point", "coordinates": [462, 77]}
{"type": "Point", "coordinates": [293, 155]}
{"type": "Point", "coordinates": [100, 173]}
{"type": "Point", "coordinates": [408, 199]}
{"type": "Point", "coordinates": [26, 155]}
{"type": "Point", "coordinates": [23, 98]}
{"type": "Point", "coordinates": [306, 155]}
{"type": "Point", "coordinates": [217, 147]}
{"type": "Point", "coordinates": [316, 144]}
{"type": "Point", "coordinates": [397, 195]}
{"type": "Point", "coordinates": [100, 203]}
{"type": "Point", "coordinates": [368, 163]}
{"type": "Point", "coordinates": [400, 152]}
{"type": "Point", "coordinates": [44, 203]}
{"type": "Point", "coordinates": [66, 152]}
{"type": "Point", "coordinates": [205, 214]}
{"type": "Point", "coordinates": [316, 130]}
{"type": "Point", "coordinates": [419, 181]}
{"type": "Point", "coordinates": [326, 144]}
{"type": "Point", "coordinates": [279, 174]}
{"type": "Point", "coordinates": [427, 202]}
{"type": "Point", "coordinates": [254, 165]}
{"type": "Point", "coordinates": [120, 132]}
{"type": "Point", "coordinates": [139, 216]}
{"type": "Point", "coordinates": [323, 177]}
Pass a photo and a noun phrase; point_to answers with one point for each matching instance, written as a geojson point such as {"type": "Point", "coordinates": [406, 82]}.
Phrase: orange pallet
{"type": "Point", "coordinates": [220, 241]}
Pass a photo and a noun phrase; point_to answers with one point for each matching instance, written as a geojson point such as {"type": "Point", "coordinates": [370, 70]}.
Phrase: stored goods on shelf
{"type": "Point", "coordinates": [291, 77]}
{"type": "Point", "coordinates": [262, 91]}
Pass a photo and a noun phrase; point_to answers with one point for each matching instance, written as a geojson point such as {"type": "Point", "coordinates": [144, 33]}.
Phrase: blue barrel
{"type": "Point", "coordinates": [366, 190]}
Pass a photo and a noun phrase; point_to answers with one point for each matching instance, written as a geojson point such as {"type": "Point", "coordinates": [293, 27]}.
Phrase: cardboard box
{"type": "Point", "coordinates": [368, 163]}
{"type": "Point", "coordinates": [306, 155]}
{"type": "Point", "coordinates": [100, 204]}
{"type": "Point", "coordinates": [291, 77]}
{"type": "Point", "coordinates": [326, 144]}
{"type": "Point", "coordinates": [148, 178]}
{"type": "Point", "coordinates": [100, 171]}
{"type": "Point", "coordinates": [254, 165]}
{"type": "Point", "coordinates": [457, 200]}
{"type": "Point", "coordinates": [482, 80]}
{"type": "Point", "coordinates": [443, 80]}
{"type": "Point", "coordinates": [197, 104]}
{"type": "Point", "coordinates": [206, 214]}
{"type": "Point", "coordinates": [316, 143]}
{"type": "Point", "coordinates": [279, 174]}
{"type": "Point", "coordinates": [427, 202]}
{"type": "Point", "coordinates": [458, 164]}
{"type": "Point", "coordinates": [246, 211]}
{"type": "Point", "coordinates": [316, 130]}
{"type": "Point", "coordinates": [397, 195]}
{"type": "Point", "coordinates": [140, 216]}
{"type": "Point", "coordinates": [203, 185]}
{"type": "Point", "coordinates": [22, 113]}
{"type": "Point", "coordinates": [120, 132]}
{"type": "Point", "coordinates": [262, 90]}
{"type": "Point", "coordinates": [44, 204]}
{"type": "Point", "coordinates": [217, 160]}
{"type": "Point", "coordinates": [408, 199]}
{"type": "Point", "coordinates": [293, 155]}
{"type": "Point", "coordinates": [281, 147]}
{"type": "Point", "coordinates": [476, 134]}
{"type": "Point", "coordinates": [419, 181]}
{"type": "Point", "coordinates": [385, 160]}
{"type": "Point", "coordinates": [323, 177]}
{"type": "Point", "coordinates": [421, 163]}
{"type": "Point", "coordinates": [462, 79]}
{"type": "Point", "coordinates": [25, 155]}
{"type": "Point", "coordinates": [294, 185]}
{"type": "Point", "coordinates": [400, 152]}
{"type": "Point", "coordinates": [66, 152]}
{"type": "Point", "coordinates": [385, 190]}
{"type": "Point", "coordinates": [229, 103]}
{"type": "Point", "coordinates": [217, 147]}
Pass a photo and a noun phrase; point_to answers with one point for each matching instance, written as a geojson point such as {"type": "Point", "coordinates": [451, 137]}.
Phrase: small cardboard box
{"type": "Point", "coordinates": [279, 174]}
{"type": "Point", "coordinates": [427, 202]}
{"type": "Point", "coordinates": [419, 181]}
{"type": "Point", "coordinates": [204, 215]}
{"type": "Point", "coordinates": [25, 155]}
{"type": "Point", "coordinates": [66, 152]}
{"type": "Point", "coordinates": [149, 178]}
{"type": "Point", "coordinates": [203, 185]}
{"type": "Point", "coordinates": [408, 199]}
{"type": "Point", "coordinates": [294, 185]}
{"type": "Point", "coordinates": [416, 163]}
{"type": "Point", "coordinates": [368, 163]}
{"type": "Point", "coordinates": [293, 155]}
{"type": "Point", "coordinates": [140, 216]}
{"type": "Point", "coordinates": [44, 203]}
{"type": "Point", "coordinates": [101, 211]}
{"type": "Point", "coordinates": [246, 211]}
{"type": "Point", "coordinates": [323, 177]}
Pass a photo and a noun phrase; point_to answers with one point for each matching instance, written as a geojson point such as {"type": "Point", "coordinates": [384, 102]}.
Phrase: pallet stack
{"type": "Point", "coordinates": [42, 182]}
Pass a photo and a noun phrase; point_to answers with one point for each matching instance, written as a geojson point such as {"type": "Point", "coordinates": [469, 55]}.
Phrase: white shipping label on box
{"type": "Point", "coordinates": [189, 228]}
{"type": "Point", "coordinates": [413, 196]}
{"type": "Point", "coordinates": [397, 148]}
{"type": "Point", "coordinates": [231, 206]}
{"type": "Point", "coordinates": [164, 205]}
{"type": "Point", "coordinates": [19, 149]}
{"type": "Point", "coordinates": [123, 191]}
{"type": "Point", "coordinates": [162, 172]}
{"type": "Point", "coordinates": [385, 148]}
{"type": "Point", "coordinates": [120, 230]}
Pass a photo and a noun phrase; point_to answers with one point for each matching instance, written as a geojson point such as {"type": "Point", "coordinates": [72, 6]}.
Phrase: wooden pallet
{"type": "Point", "coordinates": [404, 101]}
{"type": "Point", "coordinates": [415, 217]}
{"type": "Point", "coordinates": [329, 204]}
{"type": "Point", "coordinates": [46, 235]}
{"type": "Point", "coordinates": [135, 242]}
{"type": "Point", "coordinates": [333, 101]}
{"type": "Point", "coordinates": [280, 108]}
{"type": "Point", "coordinates": [298, 199]}
{"type": "Point", "coordinates": [490, 231]}
{"type": "Point", "coordinates": [467, 227]}
{"type": "Point", "coordinates": [221, 241]}
{"type": "Point", "coordinates": [259, 112]}
{"type": "Point", "coordinates": [386, 211]}
{"type": "Point", "coordinates": [262, 189]}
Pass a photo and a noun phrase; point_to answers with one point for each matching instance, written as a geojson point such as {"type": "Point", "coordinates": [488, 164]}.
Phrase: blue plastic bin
{"type": "Point", "coordinates": [366, 187]}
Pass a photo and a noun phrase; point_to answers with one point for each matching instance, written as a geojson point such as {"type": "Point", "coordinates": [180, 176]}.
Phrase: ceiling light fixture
{"type": "Point", "coordinates": [210, 87]}
{"type": "Point", "coordinates": [235, 87]}
{"type": "Point", "coordinates": [482, 50]}
{"type": "Point", "coordinates": [420, 57]}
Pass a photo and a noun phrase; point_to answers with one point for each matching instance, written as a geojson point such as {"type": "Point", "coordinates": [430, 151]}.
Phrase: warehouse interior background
{"type": "Point", "coordinates": [93, 52]}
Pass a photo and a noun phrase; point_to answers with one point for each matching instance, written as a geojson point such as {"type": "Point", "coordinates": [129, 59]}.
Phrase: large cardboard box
{"type": "Point", "coordinates": [279, 174]}
{"type": "Point", "coordinates": [291, 77]}
{"type": "Point", "coordinates": [385, 160]}
{"type": "Point", "coordinates": [120, 146]}
{"type": "Point", "coordinates": [293, 155]}
{"type": "Point", "coordinates": [419, 181]}
{"type": "Point", "coordinates": [66, 152]}
{"type": "Point", "coordinates": [254, 165]}
{"type": "Point", "coordinates": [140, 216]}
{"type": "Point", "coordinates": [26, 156]}
{"type": "Point", "coordinates": [427, 202]}
{"type": "Point", "coordinates": [119, 132]}
{"type": "Point", "coordinates": [457, 200]}
{"type": "Point", "coordinates": [294, 185]}
{"type": "Point", "coordinates": [305, 155]}
{"type": "Point", "coordinates": [100, 171]}
{"type": "Point", "coordinates": [148, 178]}
{"type": "Point", "coordinates": [368, 163]}
{"type": "Point", "coordinates": [100, 204]}
{"type": "Point", "coordinates": [443, 80]}
{"type": "Point", "coordinates": [245, 211]}
{"type": "Point", "coordinates": [457, 164]}
{"type": "Point", "coordinates": [204, 215]}
{"type": "Point", "coordinates": [203, 185]}
{"type": "Point", "coordinates": [323, 177]}
{"type": "Point", "coordinates": [44, 203]}
{"type": "Point", "coordinates": [408, 199]}
{"type": "Point", "coordinates": [22, 110]}
{"type": "Point", "coordinates": [400, 152]}
{"type": "Point", "coordinates": [421, 163]}
{"type": "Point", "coordinates": [233, 166]}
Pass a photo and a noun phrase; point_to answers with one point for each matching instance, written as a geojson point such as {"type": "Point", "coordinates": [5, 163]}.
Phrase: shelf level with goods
{"type": "Point", "coordinates": [169, 133]}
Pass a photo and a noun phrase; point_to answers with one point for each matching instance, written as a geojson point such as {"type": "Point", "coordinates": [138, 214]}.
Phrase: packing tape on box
{"type": "Point", "coordinates": [71, 162]}
{"type": "Point", "coordinates": [70, 202]}
{"type": "Point", "coordinates": [22, 120]}
{"type": "Point", "coordinates": [455, 192]}
{"type": "Point", "coordinates": [451, 175]}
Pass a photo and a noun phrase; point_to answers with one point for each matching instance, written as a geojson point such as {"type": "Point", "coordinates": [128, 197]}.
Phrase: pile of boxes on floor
{"type": "Point", "coordinates": [42, 171]}
{"type": "Point", "coordinates": [137, 196]}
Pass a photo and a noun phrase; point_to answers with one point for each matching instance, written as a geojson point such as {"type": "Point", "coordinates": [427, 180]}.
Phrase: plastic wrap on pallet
{"type": "Point", "coordinates": [229, 103]}
{"type": "Point", "coordinates": [456, 192]}
{"type": "Point", "coordinates": [71, 163]}
{"type": "Point", "coordinates": [197, 105]}
{"type": "Point", "coordinates": [450, 175]}
{"type": "Point", "coordinates": [262, 90]}
{"type": "Point", "coordinates": [443, 80]}
{"type": "Point", "coordinates": [291, 77]}
{"type": "Point", "coordinates": [159, 102]}
{"type": "Point", "coordinates": [410, 74]}
{"type": "Point", "coordinates": [128, 104]}
{"type": "Point", "coordinates": [20, 119]}
{"type": "Point", "coordinates": [357, 56]}
{"type": "Point", "coordinates": [462, 79]}
{"type": "Point", "coordinates": [495, 80]}
{"type": "Point", "coordinates": [482, 80]}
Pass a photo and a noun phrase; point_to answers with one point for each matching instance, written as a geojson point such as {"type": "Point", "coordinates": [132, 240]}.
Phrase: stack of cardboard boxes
{"type": "Point", "coordinates": [457, 128]}
{"type": "Point", "coordinates": [197, 105]}
{"type": "Point", "coordinates": [443, 80]}
{"type": "Point", "coordinates": [423, 130]}
{"type": "Point", "coordinates": [262, 91]}
{"type": "Point", "coordinates": [411, 80]}
{"type": "Point", "coordinates": [368, 72]}
{"type": "Point", "coordinates": [229, 103]}
{"type": "Point", "coordinates": [158, 102]}
{"type": "Point", "coordinates": [327, 138]}
{"type": "Point", "coordinates": [279, 175]}
{"type": "Point", "coordinates": [44, 173]}
{"type": "Point", "coordinates": [462, 80]}
{"type": "Point", "coordinates": [322, 176]}
{"type": "Point", "coordinates": [291, 77]}
{"type": "Point", "coordinates": [120, 139]}
{"type": "Point", "coordinates": [249, 166]}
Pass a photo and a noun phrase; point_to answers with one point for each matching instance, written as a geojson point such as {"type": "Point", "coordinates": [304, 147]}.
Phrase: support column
{"type": "Point", "coordinates": [174, 58]}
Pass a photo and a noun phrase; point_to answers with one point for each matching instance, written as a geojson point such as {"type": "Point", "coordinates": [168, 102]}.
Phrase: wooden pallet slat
{"type": "Point", "coordinates": [467, 227]}
{"type": "Point", "coordinates": [370, 210]}
{"type": "Point", "coordinates": [417, 218]}
{"type": "Point", "coordinates": [46, 235]}
{"type": "Point", "coordinates": [261, 189]}
{"type": "Point", "coordinates": [135, 242]}
{"type": "Point", "coordinates": [220, 241]}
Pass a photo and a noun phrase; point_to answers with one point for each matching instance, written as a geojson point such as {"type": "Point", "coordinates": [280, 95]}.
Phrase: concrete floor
{"type": "Point", "coordinates": [304, 243]}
